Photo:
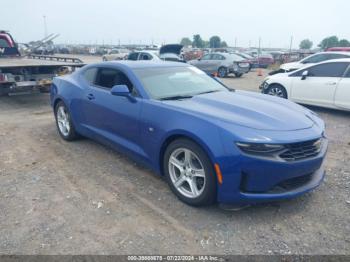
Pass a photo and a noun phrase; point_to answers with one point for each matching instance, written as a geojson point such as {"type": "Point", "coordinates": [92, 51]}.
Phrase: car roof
{"type": "Point", "coordinates": [142, 64]}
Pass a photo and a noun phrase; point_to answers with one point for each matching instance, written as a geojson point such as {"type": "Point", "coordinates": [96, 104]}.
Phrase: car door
{"type": "Point", "coordinates": [342, 93]}
{"type": "Point", "coordinates": [115, 118]}
{"type": "Point", "coordinates": [203, 63]}
{"type": "Point", "coordinates": [318, 87]}
{"type": "Point", "coordinates": [216, 60]}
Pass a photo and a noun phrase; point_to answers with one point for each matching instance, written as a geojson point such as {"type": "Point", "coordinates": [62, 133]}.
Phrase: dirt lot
{"type": "Point", "coordinates": [83, 198]}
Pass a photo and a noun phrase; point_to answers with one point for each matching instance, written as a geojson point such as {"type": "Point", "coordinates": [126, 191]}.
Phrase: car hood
{"type": "Point", "coordinates": [247, 109]}
{"type": "Point", "coordinates": [293, 65]}
{"type": "Point", "coordinates": [171, 48]}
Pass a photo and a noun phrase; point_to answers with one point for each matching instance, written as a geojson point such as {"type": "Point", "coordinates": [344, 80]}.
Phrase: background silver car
{"type": "Point", "coordinates": [222, 63]}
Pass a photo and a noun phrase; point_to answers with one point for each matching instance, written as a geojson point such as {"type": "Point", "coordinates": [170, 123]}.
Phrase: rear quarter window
{"type": "Point", "coordinates": [90, 75]}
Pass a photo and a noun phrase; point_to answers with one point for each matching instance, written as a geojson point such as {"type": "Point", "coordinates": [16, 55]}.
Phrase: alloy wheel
{"type": "Point", "coordinates": [63, 120]}
{"type": "Point", "coordinates": [276, 91]}
{"type": "Point", "coordinates": [187, 172]}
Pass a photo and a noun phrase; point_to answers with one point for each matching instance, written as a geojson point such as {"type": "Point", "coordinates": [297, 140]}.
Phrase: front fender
{"type": "Point", "coordinates": [170, 136]}
{"type": "Point", "coordinates": [160, 124]}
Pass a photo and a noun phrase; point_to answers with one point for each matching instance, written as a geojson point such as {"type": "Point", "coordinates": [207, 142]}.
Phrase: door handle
{"type": "Point", "coordinates": [90, 96]}
{"type": "Point", "coordinates": [331, 83]}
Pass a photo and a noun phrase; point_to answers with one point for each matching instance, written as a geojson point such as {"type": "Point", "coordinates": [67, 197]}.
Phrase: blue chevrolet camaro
{"type": "Point", "coordinates": [209, 142]}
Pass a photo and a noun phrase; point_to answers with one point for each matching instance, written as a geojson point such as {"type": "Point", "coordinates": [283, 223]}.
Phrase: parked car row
{"type": "Point", "coordinates": [221, 63]}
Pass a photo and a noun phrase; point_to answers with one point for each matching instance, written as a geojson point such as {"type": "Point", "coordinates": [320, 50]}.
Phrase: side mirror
{"type": "Point", "coordinates": [304, 75]}
{"type": "Point", "coordinates": [120, 90]}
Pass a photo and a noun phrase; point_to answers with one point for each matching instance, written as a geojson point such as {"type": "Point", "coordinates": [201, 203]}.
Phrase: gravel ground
{"type": "Point", "coordinates": [83, 198]}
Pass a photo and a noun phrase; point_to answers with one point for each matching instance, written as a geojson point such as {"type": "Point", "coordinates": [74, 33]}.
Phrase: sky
{"type": "Point", "coordinates": [163, 21]}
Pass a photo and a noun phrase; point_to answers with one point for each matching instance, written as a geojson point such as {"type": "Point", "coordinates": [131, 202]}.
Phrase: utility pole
{"type": "Point", "coordinates": [45, 26]}
{"type": "Point", "coordinates": [291, 43]}
{"type": "Point", "coordinates": [259, 50]}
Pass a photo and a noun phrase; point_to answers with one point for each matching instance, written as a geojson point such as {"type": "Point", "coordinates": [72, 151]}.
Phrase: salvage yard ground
{"type": "Point", "coordinates": [83, 198]}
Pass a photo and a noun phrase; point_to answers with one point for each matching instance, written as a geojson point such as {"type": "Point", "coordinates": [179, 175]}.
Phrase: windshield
{"type": "Point", "coordinates": [167, 82]}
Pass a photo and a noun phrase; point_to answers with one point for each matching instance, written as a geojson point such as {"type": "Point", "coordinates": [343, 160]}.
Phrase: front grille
{"type": "Point", "coordinates": [302, 150]}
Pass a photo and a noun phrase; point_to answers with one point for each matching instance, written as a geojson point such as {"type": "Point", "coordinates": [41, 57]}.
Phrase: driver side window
{"type": "Point", "coordinates": [206, 57]}
{"type": "Point", "coordinates": [218, 57]}
{"type": "Point", "coordinates": [109, 77]}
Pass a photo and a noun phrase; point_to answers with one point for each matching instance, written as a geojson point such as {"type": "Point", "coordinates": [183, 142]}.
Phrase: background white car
{"type": "Point", "coordinates": [314, 59]}
{"type": "Point", "coordinates": [116, 54]}
{"type": "Point", "coordinates": [325, 84]}
{"type": "Point", "coordinates": [170, 52]}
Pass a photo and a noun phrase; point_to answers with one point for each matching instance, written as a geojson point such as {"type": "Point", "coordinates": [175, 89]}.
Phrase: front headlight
{"type": "Point", "coordinates": [259, 149]}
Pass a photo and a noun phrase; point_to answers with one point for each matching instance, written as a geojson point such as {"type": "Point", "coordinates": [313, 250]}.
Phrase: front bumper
{"type": "Point", "coordinates": [250, 180]}
{"type": "Point", "coordinates": [263, 86]}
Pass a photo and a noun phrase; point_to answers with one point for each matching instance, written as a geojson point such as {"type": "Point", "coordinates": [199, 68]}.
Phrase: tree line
{"type": "Point", "coordinates": [216, 42]}
{"type": "Point", "coordinates": [330, 41]}
{"type": "Point", "coordinates": [197, 41]}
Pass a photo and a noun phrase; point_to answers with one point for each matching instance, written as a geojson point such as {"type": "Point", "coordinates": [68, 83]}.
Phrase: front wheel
{"type": "Point", "coordinates": [276, 90]}
{"type": "Point", "coordinates": [190, 173]}
{"type": "Point", "coordinates": [64, 122]}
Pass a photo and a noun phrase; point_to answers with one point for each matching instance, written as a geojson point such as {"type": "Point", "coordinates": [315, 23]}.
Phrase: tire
{"type": "Point", "coordinates": [222, 72]}
{"type": "Point", "coordinates": [4, 90]}
{"type": "Point", "coordinates": [276, 90]}
{"type": "Point", "coordinates": [238, 74]}
{"type": "Point", "coordinates": [64, 122]}
{"type": "Point", "coordinates": [195, 177]}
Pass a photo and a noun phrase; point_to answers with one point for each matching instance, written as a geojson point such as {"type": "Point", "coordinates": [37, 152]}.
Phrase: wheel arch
{"type": "Point", "coordinates": [281, 85]}
{"type": "Point", "coordinates": [56, 101]}
{"type": "Point", "coordinates": [182, 135]}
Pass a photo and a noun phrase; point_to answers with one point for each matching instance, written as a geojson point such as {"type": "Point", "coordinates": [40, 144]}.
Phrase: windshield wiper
{"type": "Point", "coordinates": [175, 97]}
{"type": "Point", "coordinates": [207, 92]}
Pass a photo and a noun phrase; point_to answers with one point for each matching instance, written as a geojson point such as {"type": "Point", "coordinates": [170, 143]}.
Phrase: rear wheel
{"type": "Point", "coordinates": [189, 173]}
{"type": "Point", "coordinates": [222, 72]}
{"type": "Point", "coordinates": [64, 122]}
{"type": "Point", "coordinates": [276, 90]}
{"type": "Point", "coordinates": [4, 89]}
{"type": "Point", "coordinates": [238, 74]}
